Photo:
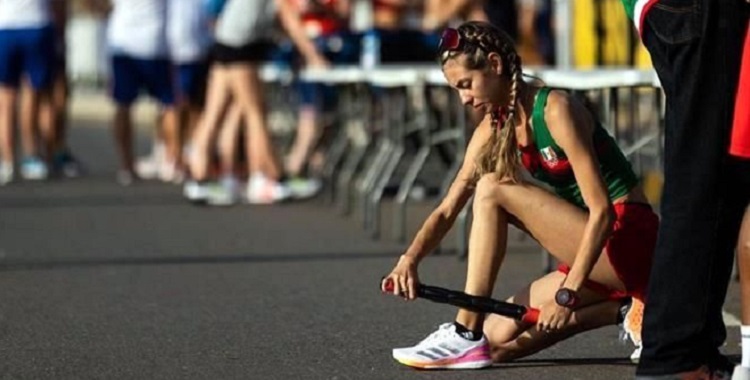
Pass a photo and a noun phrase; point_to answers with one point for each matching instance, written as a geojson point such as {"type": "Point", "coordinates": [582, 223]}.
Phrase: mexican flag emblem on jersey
{"type": "Point", "coordinates": [549, 156]}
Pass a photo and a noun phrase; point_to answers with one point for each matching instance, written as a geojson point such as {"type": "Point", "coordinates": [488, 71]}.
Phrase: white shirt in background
{"type": "Point", "coordinates": [188, 32]}
{"type": "Point", "coordinates": [24, 14]}
{"type": "Point", "coordinates": [245, 21]}
{"type": "Point", "coordinates": [137, 28]}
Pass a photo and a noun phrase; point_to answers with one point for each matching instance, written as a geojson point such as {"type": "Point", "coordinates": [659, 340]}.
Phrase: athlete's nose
{"type": "Point", "coordinates": [465, 97]}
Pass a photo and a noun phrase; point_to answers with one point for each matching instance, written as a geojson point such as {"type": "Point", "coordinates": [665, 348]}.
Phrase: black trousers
{"type": "Point", "coordinates": [696, 47]}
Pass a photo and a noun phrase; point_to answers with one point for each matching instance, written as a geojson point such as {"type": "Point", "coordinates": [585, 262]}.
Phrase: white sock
{"type": "Point", "coordinates": [745, 331]}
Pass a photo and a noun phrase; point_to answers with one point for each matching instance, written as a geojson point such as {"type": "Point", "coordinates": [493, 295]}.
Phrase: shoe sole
{"type": "Point", "coordinates": [446, 365]}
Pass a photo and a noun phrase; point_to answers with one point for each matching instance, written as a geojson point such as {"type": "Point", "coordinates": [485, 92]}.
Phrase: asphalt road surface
{"type": "Point", "coordinates": [99, 281]}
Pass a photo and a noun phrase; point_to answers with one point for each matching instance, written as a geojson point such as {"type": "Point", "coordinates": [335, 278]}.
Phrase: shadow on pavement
{"type": "Point", "coordinates": [528, 363]}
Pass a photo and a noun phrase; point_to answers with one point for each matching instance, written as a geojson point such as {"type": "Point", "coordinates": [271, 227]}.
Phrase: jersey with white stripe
{"type": "Point", "coordinates": [23, 14]}
{"type": "Point", "coordinates": [188, 31]}
{"type": "Point", "coordinates": [137, 28]}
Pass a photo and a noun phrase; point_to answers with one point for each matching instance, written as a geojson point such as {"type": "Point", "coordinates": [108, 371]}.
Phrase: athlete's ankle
{"type": "Point", "coordinates": [466, 333]}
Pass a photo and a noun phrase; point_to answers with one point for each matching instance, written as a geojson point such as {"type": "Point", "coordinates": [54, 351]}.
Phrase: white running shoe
{"type": "Point", "coordinates": [6, 173]}
{"type": "Point", "coordinates": [446, 349]}
{"type": "Point", "coordinates": [303, 188]}
{"type": "Point", "coordinates": [147, 167]}
{"type": "Point", "coordinates": [224, 193]}
{"type": "Point", "coordinates": [196, 192]}
{"type": "Point", "coordinates": [33, 168]}
{"type": "Point", "coordinates": [170, 173]}
{"type": "Point", "coordinates": [741, 373]}
{"type": "Point", "coordinates": [262, 190]}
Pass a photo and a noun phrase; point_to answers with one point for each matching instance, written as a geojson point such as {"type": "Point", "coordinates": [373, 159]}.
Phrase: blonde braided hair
{"type": "Point", "coordinates": [499, 154]}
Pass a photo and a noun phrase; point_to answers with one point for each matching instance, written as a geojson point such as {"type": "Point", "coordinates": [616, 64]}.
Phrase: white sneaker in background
{"type": "Point", "coordinates": [224, 193]}
{"type": "Point", "coordinates": [33, 168]}
{"type": "Point", "coordinates": [6, 173]}
{"type": "Point", "coordinates": [303, 188]}
{"type": "Point", "coordinates": [149, 167]}
{"type": "Point", "coordinates": [169, 172]}
{"type": "Point", "coordinates": [194, 191]}
{"type": "Point", "coordinates": [262, 190]}
{"type": "Point", "coordinates": [446, 349]}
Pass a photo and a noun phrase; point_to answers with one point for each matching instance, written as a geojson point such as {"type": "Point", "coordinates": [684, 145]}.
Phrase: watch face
{"type": "Point", "coordinates": [563, 297]}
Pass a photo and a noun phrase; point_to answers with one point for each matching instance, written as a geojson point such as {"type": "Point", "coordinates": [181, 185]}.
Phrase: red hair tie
{"type": "Point", "coordinates": [501, 116]}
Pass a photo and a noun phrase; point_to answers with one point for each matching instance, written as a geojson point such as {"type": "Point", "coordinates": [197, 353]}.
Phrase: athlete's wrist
{"type": "Point", "coordinates": [409, 259]}
{"type": "Point", "coordinates": [572, 283]}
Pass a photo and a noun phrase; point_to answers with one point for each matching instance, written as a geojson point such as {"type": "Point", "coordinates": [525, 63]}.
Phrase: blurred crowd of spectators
{"type": "Point", "coordinates": [200, 60]}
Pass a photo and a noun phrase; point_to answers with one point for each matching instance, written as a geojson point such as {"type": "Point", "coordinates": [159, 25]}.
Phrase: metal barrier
{"type": "Point", "coordinates": [370, 146]}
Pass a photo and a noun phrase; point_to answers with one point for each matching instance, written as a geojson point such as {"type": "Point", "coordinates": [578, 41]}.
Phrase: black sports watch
{"type": "Point", "coordinates": [566, 297]}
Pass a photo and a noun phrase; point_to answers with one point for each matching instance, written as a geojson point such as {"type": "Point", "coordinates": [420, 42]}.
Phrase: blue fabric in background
{"type": "Point", "coordinates": [214, 7]}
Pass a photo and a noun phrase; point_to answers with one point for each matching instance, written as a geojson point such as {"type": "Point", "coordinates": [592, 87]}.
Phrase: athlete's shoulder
{"type": "Point", "coordinates": [564, 110]}
{"type": "Point", "coordinates": [558, 105]}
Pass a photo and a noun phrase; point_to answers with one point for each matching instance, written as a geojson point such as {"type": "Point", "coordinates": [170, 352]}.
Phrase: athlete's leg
{"type": "Point", "coordinates": [248, 92]}
{"type": "Point", "coordinates": [556, 224]}
{"type": "Point", "coordinates": [743, 260]}
{"type": "Point", "coordinates": [125, 88]}
{"type": "Point", "coordinates": [123, 130]}
{"type": "Point", "coordinates": [743, 252]}
{"type": "Point", "coordinates": [7, 120]}
{"type": "Point", "coordinates": [216, 101]}
{"type": "Point", "coordinates": [510, 339]}
{"type": "Point", "coordinates": [29, 120]}
{"type": "Point", "coordinates": [229, 139]}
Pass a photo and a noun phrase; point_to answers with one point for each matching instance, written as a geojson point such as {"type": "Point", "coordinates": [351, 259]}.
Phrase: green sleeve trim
{"type": "Point", "coordinates": [542, 137]}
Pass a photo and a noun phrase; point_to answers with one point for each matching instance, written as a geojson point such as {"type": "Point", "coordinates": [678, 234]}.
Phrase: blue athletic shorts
{"type": "Point", "coordinates": [190, 81]}
{"type": "Point", "coordinates": [131, 75]}
{"type": "Point", "coordinates": [26, 51]}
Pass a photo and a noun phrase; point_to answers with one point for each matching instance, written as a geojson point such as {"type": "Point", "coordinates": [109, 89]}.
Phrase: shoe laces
{"type": "Point", "coordinates": [446, 330]}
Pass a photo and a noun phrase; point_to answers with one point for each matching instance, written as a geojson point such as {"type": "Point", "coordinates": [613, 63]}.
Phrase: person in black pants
{"type": "Point", "coordinates": [695, 46]}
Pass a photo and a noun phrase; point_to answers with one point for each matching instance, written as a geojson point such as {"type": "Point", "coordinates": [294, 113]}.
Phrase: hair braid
{"type": "Point", "coordinates": [499, 154]}
{"type": "Point", "coordinates": [506, 165]}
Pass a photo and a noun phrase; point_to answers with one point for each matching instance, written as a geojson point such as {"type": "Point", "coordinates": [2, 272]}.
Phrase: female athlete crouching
{"type": "Point", "coordinates": [597, 206]}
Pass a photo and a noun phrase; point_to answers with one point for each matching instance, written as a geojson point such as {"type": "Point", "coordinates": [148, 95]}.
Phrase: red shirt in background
{"type": "Point", "coordinates": [740, 143]}
{"type": "Point", "coordinates": [319, 17]}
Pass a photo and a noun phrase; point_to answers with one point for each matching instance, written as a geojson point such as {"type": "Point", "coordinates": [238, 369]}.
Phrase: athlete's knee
{"type": "Point", "coordinates": [491, 191]}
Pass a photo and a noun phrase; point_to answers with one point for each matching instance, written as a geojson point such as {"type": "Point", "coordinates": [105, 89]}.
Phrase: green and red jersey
{"type": "Point", "coordinates": [547, 162]}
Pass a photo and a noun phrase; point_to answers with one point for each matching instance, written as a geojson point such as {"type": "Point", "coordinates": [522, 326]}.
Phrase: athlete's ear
{"type": "Point", "coordinates": [495, 63]}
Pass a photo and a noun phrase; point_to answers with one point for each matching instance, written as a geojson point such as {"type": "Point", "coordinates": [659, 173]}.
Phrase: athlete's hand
{"type": "Point", "coordinates": [553, 317]}
{"type": "Point", "coordinates": [404, 278]}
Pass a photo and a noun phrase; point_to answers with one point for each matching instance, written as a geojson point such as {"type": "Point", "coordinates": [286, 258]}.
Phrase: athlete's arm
{"type": "Point", "coordinates": [439, 12]}
{"type": "Point", "coordinates": [441, 219]}
{"type": "Point", "coordinates": [572, 127]}
{"type": "Point", "coordinates": [290, 20]}
{"type": "Point", "coordinates": [404, 275]}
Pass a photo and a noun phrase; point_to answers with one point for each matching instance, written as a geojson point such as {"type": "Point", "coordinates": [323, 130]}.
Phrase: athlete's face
{"type": "Point", "coordinates": [482, 89]}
